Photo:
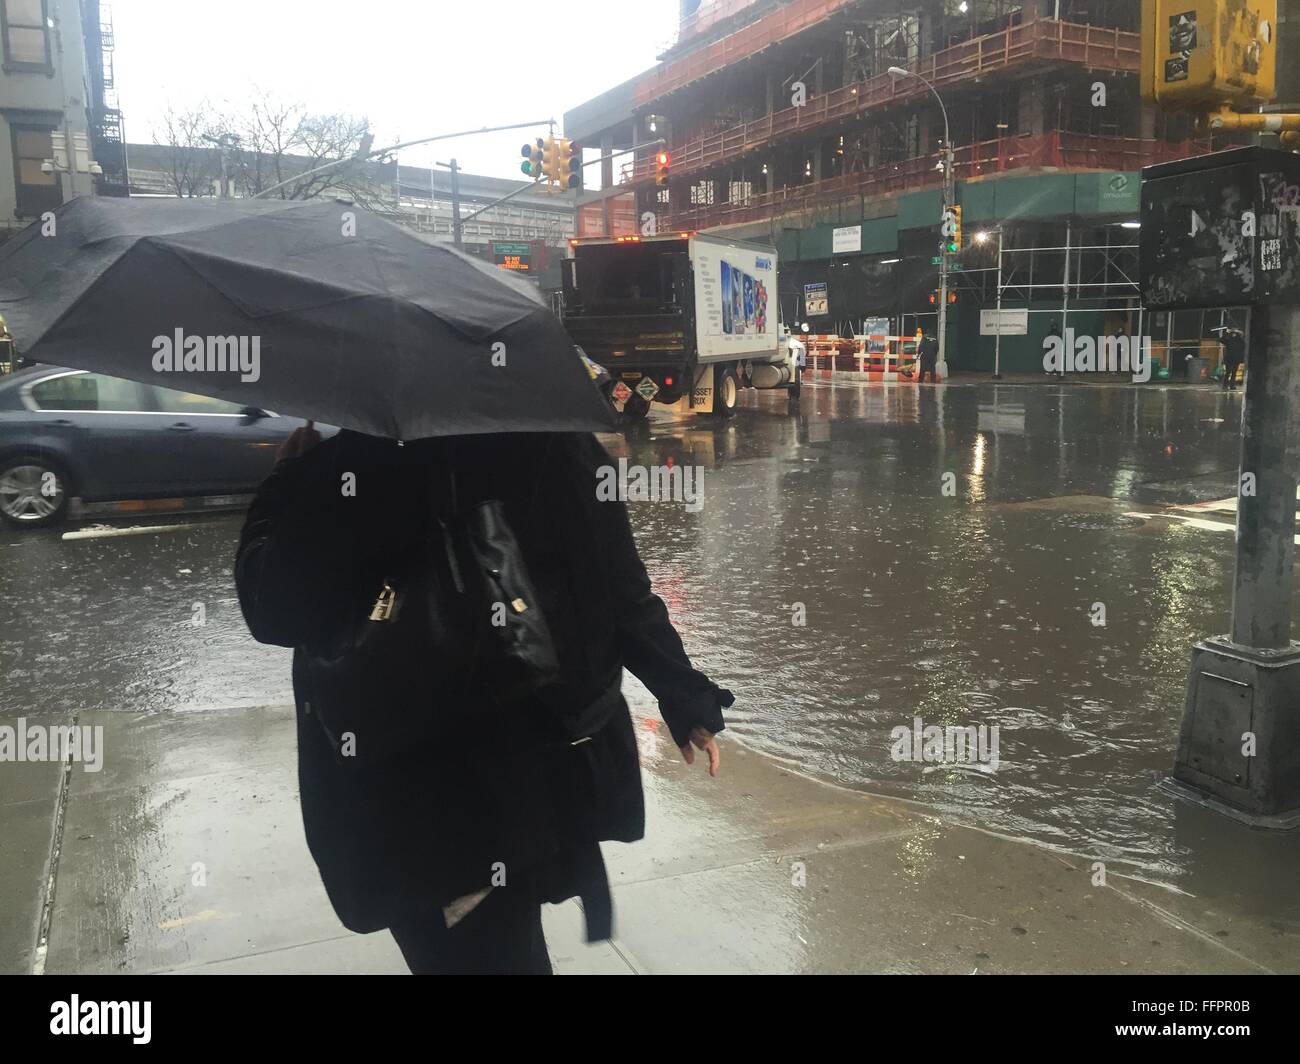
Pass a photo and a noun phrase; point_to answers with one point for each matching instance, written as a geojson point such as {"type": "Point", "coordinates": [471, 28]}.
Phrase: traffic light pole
{"type": "Point", "coordinates": [362, 157]}
{"type": "Point", "coordinates": [941, 367]}
{"type": "Point", "coordinates": [531, 186]}
{"type": "Point", "coordinates": [455, 206]}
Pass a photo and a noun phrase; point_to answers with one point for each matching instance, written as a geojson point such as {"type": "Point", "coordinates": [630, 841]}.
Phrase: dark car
{"type": "Point", "coordinates": [68, 433]}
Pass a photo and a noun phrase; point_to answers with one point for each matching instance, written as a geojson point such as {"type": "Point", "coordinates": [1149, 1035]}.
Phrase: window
{"type": "Point", "coordinates": [171, 401]}
{"type": "Point", "coordinates": [86, 391]}
{"type": "Point", "coordinates": [36, 190]}
{"type": "Point", "coordinates": [702, 194]}
{"type": "Point", "coordinates": [26, 33]}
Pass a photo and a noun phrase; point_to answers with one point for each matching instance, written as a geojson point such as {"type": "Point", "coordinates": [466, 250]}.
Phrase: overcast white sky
{"type": "Point", "coordinates": [413, 67]}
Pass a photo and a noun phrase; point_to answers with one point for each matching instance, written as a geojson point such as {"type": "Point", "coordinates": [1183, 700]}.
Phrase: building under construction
{"type": "Point", "coordinates": [782, 123]}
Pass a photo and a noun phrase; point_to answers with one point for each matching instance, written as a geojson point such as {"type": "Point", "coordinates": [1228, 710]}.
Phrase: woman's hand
{"type": "Point", "coordinates": [703, 739]}
{"type": "Point", "coordinates": [300, 441]}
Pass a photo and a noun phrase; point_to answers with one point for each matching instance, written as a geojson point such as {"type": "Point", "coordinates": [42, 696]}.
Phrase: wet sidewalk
{"type": "Point", "coordinates": [185, 854]}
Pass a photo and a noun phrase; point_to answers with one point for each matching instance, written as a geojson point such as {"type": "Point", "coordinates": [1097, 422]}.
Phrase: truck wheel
{"type": "Point", "coordinates": [635, 410]}
{"type": "Point", "coordinates": [726, 391]}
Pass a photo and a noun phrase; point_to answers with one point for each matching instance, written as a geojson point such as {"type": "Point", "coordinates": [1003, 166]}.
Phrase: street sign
{"type": "Point", "coordinates": [937, 260]}
{"type": "Point", "coordinates": [647, 389]}
{"type": "Point", "coordinates": [815, 300]}
{"type": "Point", "coordinates": [513, 256]}
{"type": "Point", "coordinates": [1011, 323]}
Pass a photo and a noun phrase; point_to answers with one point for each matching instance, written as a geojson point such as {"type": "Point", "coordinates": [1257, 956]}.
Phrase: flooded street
{"type": "Point", "coordinates": [967, 600]}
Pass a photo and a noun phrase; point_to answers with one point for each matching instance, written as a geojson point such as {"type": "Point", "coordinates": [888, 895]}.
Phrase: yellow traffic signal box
{"type": "Point", "coordinates": [1205, 54]}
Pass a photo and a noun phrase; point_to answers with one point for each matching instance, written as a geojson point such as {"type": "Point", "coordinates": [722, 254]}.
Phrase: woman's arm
{"type": "Point", "coordinates": [652, 649]}
{"type": "Point", "coordinates": [293, 566]}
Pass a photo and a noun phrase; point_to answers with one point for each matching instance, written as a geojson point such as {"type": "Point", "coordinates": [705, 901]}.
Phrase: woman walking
{"type": "Point", "coordinates": [436, 802]}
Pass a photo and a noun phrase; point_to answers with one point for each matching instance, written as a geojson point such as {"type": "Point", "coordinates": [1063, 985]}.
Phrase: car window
{"type": "Point", "coordinates": [171, 401]}
{"type": "Point", "coordinates": [87, 391]}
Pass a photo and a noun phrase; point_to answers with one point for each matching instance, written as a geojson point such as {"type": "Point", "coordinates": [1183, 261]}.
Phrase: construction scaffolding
{"type": "Point", "coordinates": [1051, 150]}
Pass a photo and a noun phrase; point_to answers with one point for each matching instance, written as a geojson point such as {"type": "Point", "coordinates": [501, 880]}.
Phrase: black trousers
{"type": "Point", "coordinates": [502, 935]}
{"type": "Point", "coordinates": [928, 367]}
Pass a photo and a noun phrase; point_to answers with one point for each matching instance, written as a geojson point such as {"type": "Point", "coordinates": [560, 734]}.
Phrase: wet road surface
{"type": "Point", "coordinates": [966, 599]}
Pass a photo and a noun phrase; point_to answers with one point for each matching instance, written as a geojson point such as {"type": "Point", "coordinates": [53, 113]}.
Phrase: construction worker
{"type": "Point", "coordinates": [1234, 353]}
{"type": "Point", "coordinates": [928, 354]}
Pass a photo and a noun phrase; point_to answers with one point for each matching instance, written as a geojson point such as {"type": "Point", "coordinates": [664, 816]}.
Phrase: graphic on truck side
{"type": "Point", "coordinates": [733, 314]}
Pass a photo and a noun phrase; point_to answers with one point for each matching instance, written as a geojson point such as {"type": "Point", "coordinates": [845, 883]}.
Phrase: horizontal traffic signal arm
{"type": "Point", "coordinates": [1026, 45]}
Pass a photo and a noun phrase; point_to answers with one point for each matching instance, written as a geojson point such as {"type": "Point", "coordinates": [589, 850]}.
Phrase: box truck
{"type": "Point", "coordinates": [685, 320]}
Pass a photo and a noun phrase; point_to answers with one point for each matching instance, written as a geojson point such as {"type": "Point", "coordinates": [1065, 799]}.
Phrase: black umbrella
{"type": "Point", "coordinates": [316, 309]}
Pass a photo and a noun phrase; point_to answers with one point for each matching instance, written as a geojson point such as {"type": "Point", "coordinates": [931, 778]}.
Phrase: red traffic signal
{"type": "Point", "coordinates": [574, 176]}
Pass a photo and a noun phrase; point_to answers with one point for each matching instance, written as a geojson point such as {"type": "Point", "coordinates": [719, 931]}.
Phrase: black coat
{"type": "Point", "coordinates": [1234, 348]}
{"type": "Point", "coordinates": [929, 350]}
{"type": "Point", "coordinates": [394, 841]}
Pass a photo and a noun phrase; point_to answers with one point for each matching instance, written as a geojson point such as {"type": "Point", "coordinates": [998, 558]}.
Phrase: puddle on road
{"type": "Point", "coordinates": [970, 610]}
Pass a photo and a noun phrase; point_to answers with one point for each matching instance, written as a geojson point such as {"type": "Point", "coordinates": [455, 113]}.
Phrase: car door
{"type": "Point", "coordinates": [102, 421]}
{"type": "Point", "coordinates": [219, 447]}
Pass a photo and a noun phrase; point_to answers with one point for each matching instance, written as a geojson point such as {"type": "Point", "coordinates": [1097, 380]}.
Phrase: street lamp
{"type": "Point", "coordinates": [223, 143]}
{"type": "Point", "coordinates": [945, 164]}
{"type": "Point", "coordinates": [982, 238]}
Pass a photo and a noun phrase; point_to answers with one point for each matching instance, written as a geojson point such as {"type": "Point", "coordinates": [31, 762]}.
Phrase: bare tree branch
{"type": "Point", "coordinates": [191, 163]}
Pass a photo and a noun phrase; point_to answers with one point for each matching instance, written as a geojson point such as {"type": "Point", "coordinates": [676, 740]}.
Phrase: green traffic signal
{"type": "Point", "coordinates": [526, 167]}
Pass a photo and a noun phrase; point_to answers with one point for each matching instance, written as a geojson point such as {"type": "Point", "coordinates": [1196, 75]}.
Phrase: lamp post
{"type": "Point", "coordinates": [946, 165]}
{"type": "Point", "coordinates": [981, 238]}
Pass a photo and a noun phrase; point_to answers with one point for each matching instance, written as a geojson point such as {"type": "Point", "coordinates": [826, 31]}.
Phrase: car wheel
{"type": "Point", "coordinates": [726, 391]}
{"type": "Point", "coordinates": [33, 492]}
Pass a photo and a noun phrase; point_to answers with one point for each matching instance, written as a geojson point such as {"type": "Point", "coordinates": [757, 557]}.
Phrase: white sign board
{"type": "Point", "coordinates": [848, 238]}
{"type": "Point", "coordinates": [1011, 323]}
{"type": "Point", "coordinates": [735, 286]}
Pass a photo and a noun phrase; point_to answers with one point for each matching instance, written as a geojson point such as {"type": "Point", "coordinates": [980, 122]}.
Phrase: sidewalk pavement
{"type": "Point", "coordinates": [760, 870]}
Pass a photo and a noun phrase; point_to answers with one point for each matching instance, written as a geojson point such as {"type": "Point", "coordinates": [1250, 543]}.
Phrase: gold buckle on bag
{"type": "Point", "coordinates": [382, 610]}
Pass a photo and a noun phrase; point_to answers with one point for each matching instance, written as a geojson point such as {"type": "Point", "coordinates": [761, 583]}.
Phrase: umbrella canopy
{"type": "Point", "coordinates": [316, 309]}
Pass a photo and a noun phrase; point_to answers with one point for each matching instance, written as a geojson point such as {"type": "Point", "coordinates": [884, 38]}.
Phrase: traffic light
{"type": "Point", "coordinates": [569, 172]}
{"type": "Point", "coordinates": [573, 165]}
{"type": "Point", "coordinates": [935, 297]}
{"type": "Point", "coordinates": [551, 163]}
{"type": "Point", "coordinates": [1209, 53]}
{"type": "Point", "coordinates": [952, 230]}
{"type": "Point", "coordinates": [661, 168]}
{"type": "Point", "coordinates": [532, 164]}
